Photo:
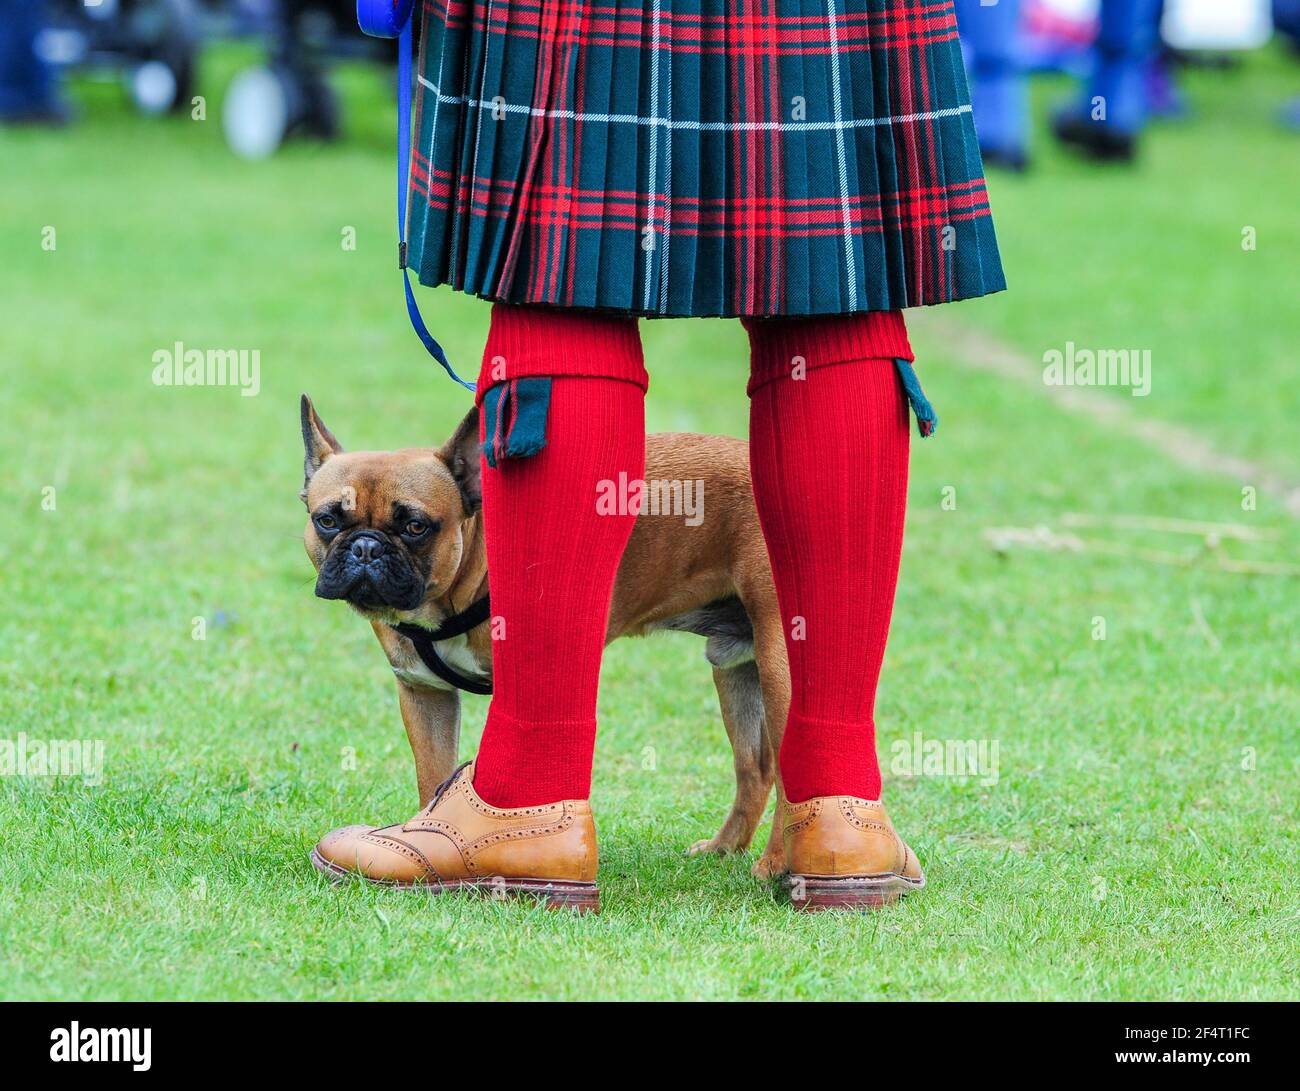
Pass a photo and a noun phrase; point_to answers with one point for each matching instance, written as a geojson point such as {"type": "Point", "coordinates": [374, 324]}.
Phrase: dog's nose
{"type": "Point", "coordinates": [366, 549]}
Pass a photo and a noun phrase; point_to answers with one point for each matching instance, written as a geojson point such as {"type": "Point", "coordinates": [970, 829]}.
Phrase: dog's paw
{"type": "Point", "coordinates": [768, 867]}
{"type": "Point", "coordinates": [713, 845]}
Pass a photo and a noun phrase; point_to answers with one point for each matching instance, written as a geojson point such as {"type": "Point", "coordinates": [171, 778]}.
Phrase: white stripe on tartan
{"type": "Point", "coordinates": [478, 136]}
{"type": "Point", "coordinates": [652, 183]}
{"type": "Point", "coordinates": [668, 193]}
{"type": "Point", "coordinates": [703, 126]}
{"type": "Point", "coordinates": [437, 104]}
{"type": "Point", "coordinates": [850, 264]}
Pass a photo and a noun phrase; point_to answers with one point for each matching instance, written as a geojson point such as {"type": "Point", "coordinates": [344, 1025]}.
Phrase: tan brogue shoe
{"type": "Point", "coordinates": [842, 853]}
{"type": "Point", "coordinates": [458, 842]}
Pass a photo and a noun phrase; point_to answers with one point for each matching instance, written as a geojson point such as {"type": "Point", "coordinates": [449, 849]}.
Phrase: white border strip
{"type": "Point", "coordinates": [652, 182]}
{"type": "Point", "coordinates": [837, 98]}
{"type": "Point", "coordinates": [702, 126]}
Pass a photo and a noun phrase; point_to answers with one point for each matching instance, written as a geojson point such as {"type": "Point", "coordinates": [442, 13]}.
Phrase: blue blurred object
{"type": "Point", "coordinates": [384, 18]}
{"type": "Point", "coordinates": [1164, 99]}
{"type": "Point", "coordinates": [29, 84]}
{"type": "Point", "coordinates": [1286, 18]}
{"type": "Point", "coordinates": [1115, 104]}
{"type": "Point", "coordinates": [1053, 41]}
{"type": "Point", "coordinates": [1127, 40]}
{"type": "Point", "coordinates": [992, 42]}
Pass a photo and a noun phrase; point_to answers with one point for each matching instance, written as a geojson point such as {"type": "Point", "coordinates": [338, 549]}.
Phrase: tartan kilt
{"type": "Point", "coordinates": [699, 157]}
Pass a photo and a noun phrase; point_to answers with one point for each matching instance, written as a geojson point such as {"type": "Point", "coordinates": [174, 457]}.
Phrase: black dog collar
{"type": "Point", "coordinates": [425, 641]}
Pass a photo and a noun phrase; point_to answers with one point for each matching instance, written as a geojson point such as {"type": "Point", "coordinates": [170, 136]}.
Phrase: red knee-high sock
{"type": "Point", "coordinates": [828, 453]}
{"type": "Point", "coordinates": [552, 557]}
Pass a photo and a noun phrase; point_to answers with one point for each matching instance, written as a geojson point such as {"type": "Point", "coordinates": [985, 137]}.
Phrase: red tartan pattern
{"type": "Point", "coordinates": [729, 215]}
{"type": "Point", "coordinates": [734, 157]}
{"type": "Point", "coordinates": [907, 25]}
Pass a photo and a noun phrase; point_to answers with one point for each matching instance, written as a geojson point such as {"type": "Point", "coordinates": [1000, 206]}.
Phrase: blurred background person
{"type": "Point", "coordinates": [1286, 17]}
{"type": "Point", "coordinates": [991, 39]}
{"type": "Point", "coordinates": [1106, 122]}
{"type": "Point", "coordinates": [29, 84]}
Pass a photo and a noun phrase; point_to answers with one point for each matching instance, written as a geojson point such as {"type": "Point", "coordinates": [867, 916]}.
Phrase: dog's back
{"type": "Point", "coordinates": [697, 541]}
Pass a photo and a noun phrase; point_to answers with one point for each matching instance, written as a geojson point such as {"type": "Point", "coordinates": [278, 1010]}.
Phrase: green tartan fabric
{"type": "Point", "coordinates": [699, 157]}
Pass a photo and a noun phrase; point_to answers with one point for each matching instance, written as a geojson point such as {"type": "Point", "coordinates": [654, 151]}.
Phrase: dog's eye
{"type": "Point", "coordinates": [415, 528]}
{"type": "Point", "coordinates": [327, 522]}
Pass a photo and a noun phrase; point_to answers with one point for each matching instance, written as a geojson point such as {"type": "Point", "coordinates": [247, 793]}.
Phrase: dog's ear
{"type": "Point", "coordinates": [318, 444]}
{"type": "Point", "coordinates": [463, 456]}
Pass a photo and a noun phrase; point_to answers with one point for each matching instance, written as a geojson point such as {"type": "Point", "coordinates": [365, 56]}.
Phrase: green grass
{"type": "Point", "coordinates": [1141, 840]}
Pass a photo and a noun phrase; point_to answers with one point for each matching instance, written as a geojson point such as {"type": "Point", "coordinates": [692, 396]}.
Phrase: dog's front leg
{"type": "Point", "coordinates": [432, 719]}
{"type": "Point", "coordinates": [774, 675]}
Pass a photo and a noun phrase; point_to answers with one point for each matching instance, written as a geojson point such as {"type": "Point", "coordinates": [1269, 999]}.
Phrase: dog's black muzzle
{"type": "Point", "coordinates": [368, 570]}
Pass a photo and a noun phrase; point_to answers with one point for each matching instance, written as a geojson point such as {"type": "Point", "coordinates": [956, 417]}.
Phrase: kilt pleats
{"type": "Point", "coordinates": [699, 157]}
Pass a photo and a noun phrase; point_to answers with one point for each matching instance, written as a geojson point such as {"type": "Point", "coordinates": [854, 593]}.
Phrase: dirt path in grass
{"type": "Point", "coordinates": [980, 351]}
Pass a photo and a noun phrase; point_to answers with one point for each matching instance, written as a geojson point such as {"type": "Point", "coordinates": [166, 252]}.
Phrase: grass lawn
{"type": "Point", "coordinates": [1141, 838]}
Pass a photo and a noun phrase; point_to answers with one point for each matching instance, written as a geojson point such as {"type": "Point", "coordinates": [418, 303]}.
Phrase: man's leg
{"type": "Point", "coordinates": [29, 89]}
{"type": "Point", "coordinates": [829, 453]}
{"type": "Point", "coordinates": [1126, 41]}
{"type": "Point", "coordinates": [519, 821]}
{"type": "Point", "coordinates": [552, 555]}
{"type": "Point", "coordinates": [1106, 124]}
{"type": "Point", "coordinates": [829, 458]}
{"type": "Point", "coordinates": [990, 34]}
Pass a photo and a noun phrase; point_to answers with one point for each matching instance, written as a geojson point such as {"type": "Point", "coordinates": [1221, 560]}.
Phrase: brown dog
{"type": "Point", "coordinates": [399, 536]}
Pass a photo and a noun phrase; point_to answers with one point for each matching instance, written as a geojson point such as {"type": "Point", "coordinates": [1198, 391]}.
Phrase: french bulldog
{"type": "Point", "coordinates": [398, 536]}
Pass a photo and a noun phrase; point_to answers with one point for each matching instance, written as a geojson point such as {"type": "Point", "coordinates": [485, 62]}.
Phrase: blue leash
{"type": "Point", "coordinates": [393, 19]}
